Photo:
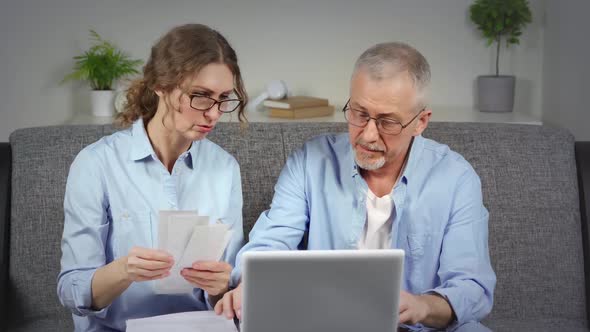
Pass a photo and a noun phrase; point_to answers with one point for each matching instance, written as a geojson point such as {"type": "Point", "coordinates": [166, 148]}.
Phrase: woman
{"type": "Point", "coordinates": [161, 161]}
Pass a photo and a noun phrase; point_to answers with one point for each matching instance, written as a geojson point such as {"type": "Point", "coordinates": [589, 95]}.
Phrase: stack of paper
{"type": "Point", "coordinates": [189, 238]}
{"type": "Point", "coordinates": [197, 321]}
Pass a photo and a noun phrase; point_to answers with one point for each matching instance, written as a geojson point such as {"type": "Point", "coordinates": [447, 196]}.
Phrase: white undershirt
{"type": "Point", "coordinates": [377, 231]}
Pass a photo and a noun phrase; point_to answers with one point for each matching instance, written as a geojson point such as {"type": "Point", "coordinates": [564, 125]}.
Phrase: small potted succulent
{"type": "Point", "coordinates": [499, 20]}
{"type": "Point", "coordinates": [101, 66]}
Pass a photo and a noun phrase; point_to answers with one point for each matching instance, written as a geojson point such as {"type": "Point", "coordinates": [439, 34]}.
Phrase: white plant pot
{"type": "Point", "coordinates": [103, 102]}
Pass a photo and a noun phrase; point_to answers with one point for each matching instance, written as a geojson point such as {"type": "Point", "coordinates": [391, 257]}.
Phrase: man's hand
{"type": "Point", "coordinates": [231, 304]}
{"type": "Point", "coordinates": [212, 277]}
{"type": "Point", "coordinates": [143, 264]}
{"type": "Point", "coordinates": [431, 310]}
{"type": "Point", "coordinates": [413, 309]}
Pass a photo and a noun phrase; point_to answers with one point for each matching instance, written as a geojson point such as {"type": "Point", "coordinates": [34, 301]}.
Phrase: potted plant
{"type": "Point", "coordinates": [498, 20]}
{"type": "Point", "coordinates": [102, 65]}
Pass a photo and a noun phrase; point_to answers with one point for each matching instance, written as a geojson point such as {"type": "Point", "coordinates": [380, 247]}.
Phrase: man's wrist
{"type": "Point", "coordinates": [437, 306]}
{"type": "Point", "coordinates": [426, 301]}
{"type": "Point", "coordinates": [213, 299]}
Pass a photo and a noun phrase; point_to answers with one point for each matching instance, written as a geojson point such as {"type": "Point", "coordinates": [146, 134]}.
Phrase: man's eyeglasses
{"type": "Point", "coordinates": [203, 103]}
{"type": "Point", "coordinates": [384, 125]}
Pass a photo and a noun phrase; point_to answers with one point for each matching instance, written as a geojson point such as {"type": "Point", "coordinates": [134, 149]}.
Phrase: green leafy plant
{"type": "Point", "coordinates": [102, 64]}
{"type": "Point", "coordinates": [498, 19]}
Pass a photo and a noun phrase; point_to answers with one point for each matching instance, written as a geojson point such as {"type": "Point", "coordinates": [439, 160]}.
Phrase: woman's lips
{"type": "Point", "coordinates": [204, 129]}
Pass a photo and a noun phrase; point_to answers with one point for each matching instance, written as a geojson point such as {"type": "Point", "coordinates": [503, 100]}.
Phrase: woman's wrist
{"type": "Point", "coordinates": [122, 272]}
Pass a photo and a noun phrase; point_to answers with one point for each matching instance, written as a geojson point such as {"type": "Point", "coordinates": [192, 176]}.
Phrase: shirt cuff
{"type": "Point", "coordinates": [202, 298]}
{"type": "Point", "coordinates": [209, 306]}
{"type": "Point", "coordinates": [235, 278]}
{"type": "Point", "coordinates": [82, 292]}
{"type": "Point", "coordinates": [457, 300]}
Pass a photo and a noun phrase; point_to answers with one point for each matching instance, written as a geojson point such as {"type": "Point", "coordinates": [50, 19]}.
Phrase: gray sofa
{"type": "Point", "coordinates": [538, 231]}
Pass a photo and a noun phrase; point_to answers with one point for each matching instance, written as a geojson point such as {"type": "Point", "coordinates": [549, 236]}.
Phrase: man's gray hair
{"type": "Point", "coordinates": [386, 60]}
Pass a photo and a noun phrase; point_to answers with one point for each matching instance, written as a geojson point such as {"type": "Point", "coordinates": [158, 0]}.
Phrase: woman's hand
{"type": "Point", "coordinates": [140, 264]}
{"type": "Point", "coordinates": [143, 264]}
{"type": "Point", "coordinates": [212, 277]}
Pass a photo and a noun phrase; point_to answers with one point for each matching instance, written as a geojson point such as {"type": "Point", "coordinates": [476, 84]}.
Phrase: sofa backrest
{"type": "Point", "coordinates": [41, 160]}
{"type": "Point", "coordinates": [529, 184]}
{"type": "Point", "coordinates": [5, 191]}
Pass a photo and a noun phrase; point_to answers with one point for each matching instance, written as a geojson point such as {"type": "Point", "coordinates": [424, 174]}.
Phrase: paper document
{"type": "Point", "coordinates": [189, 238]}
{"type": "Point", "coordinates": [196, 321]}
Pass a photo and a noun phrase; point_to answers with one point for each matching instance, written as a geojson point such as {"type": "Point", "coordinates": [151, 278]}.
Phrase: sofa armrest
{"type": "Point", "coordinates": [583, 166]}
{"type": "Point", "coordinates": [5, 192]}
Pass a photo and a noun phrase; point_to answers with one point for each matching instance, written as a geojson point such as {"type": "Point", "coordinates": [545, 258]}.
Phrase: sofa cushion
{"type": "Point", "coordinates": [45, 324]}
{"type": "Point", "coordinates": [537, 325]}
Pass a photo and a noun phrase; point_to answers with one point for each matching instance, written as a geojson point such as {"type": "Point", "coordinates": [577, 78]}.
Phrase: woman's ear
{"type": "Point", "coordinates": [159, 92]}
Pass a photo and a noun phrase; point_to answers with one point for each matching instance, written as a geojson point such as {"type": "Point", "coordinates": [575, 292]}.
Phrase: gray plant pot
{"type": "Point", "coordinates": [495, 93]}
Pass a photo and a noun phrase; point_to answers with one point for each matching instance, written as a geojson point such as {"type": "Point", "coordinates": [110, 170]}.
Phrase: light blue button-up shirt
{"type": "Point", "coordinates": [114, 192]}
{"type": "Point", "coordinates": [438, 217]}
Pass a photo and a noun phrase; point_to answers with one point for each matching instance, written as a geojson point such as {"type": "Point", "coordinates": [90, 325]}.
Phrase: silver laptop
{"type": "Point", "coordinates": [323, 291]}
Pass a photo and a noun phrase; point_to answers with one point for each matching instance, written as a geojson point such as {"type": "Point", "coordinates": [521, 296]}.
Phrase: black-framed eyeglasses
{"type": "Point", "coordinates": [204, 103]}
{"type": "Point", "coordinates": [384, 125]}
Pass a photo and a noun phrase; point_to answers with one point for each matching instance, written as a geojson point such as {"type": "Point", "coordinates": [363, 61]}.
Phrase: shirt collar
{"type": "Point", "coordinates": [193, 151]}
{"type": "Point", "coordinates": [411, 163]}
{"type": "Point", "coordinates": [141, 147]}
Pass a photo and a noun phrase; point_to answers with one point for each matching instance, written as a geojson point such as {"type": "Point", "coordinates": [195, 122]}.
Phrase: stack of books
{"type": "Point", "coordinates": [298, 107]}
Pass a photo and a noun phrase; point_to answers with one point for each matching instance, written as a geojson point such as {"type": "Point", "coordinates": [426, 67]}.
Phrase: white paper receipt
{"type": "Point", "coordinates": [189, 238]}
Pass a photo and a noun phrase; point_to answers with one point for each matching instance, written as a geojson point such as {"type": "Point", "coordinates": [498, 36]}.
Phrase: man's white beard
{"type": "Point", "coordinates": [368, 164]}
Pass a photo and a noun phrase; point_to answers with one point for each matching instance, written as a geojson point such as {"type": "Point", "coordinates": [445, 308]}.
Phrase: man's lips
{"type": "Point", "coordinates": [366, 149]}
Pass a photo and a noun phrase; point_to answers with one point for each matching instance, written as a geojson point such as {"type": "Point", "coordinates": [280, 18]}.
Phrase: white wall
{"type": "Point", "coordinates": [312, 44]}
{"type": "Point", "coordinates": [567, 67]}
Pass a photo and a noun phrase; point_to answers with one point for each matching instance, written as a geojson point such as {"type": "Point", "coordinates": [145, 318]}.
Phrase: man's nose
{"type": "Point", "coordinates": [370, 132]}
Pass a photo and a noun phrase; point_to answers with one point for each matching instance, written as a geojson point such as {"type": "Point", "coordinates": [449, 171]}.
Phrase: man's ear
{"type": "Point", "coordinates": [422, 121]}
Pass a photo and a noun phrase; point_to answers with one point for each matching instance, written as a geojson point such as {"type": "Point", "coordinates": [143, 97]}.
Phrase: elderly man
{"type": "Point", "coordinates": [383, 185]}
